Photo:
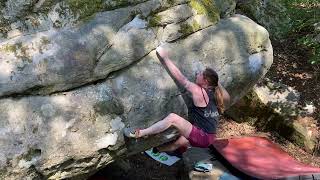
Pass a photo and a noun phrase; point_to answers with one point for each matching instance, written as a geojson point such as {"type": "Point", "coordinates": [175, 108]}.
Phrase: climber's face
{"type": "Point", "coordinates": [200, 80]}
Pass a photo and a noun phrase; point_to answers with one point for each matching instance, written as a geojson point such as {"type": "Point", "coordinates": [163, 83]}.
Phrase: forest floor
{"type": "Point", "coordinates": [291, 68]}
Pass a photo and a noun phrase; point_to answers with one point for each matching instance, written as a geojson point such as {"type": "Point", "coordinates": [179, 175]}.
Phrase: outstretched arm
{"type": "Point", "coordinates": [163, 55]}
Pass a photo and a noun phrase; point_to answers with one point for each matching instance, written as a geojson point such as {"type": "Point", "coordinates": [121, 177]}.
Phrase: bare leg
{"type": "Point", "coordinates": [172, 119]}
{"type": "Point", "coordinates": [181, 141]}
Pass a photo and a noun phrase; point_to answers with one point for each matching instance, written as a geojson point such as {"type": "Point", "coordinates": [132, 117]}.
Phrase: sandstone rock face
{"type": "Point", "coordinates": [72, 76]}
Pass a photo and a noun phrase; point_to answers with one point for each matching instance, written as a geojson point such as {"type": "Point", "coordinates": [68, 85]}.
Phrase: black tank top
{"type": "Point", "coordinates": [206, 118]}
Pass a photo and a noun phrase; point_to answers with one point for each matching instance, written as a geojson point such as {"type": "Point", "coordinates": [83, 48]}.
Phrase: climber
{"type": "Point", "coordinates": [209, 101]}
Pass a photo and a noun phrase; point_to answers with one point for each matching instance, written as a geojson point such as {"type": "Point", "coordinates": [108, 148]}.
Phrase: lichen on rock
{"type": "Point", "coordinates": [187, 29]}
{"type": "Point", "coordinates": [206, 7]}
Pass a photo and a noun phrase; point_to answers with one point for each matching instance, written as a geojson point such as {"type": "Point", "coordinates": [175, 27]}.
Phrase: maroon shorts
{"type": "Point", "coordinates": [199, 138]}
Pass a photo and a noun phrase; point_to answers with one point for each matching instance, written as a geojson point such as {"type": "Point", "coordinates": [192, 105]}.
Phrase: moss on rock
{"type": "Point", "coordinates": [206, 7]}
{"type": "Point", "coordinates": [109, 107]}
{"type": "Point", "coordinates": [171, 2]}
{"type": "Point", "coordinates": [86, 8]}
{"type": "Point", "coordinates": [9, 48]}
{"type": "Point", "coordinates": [187, 28]}
{"type": "Point", "coordinates": [18, 50]}
{"type": "Point", "coordinates": [3, 173]}
{"type": "Point", "coordinates": [226, 7]}
{"type": "Point", "coordinates": [45, 40]}
{"type": "Point", "coordinates": [249, 8]}
{"type": "Point", "coordinates": [154, 20]}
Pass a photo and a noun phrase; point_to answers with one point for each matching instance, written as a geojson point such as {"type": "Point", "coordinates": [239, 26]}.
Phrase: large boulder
{"type": "Point", "coordinates": [69, 88]}
{"type": "Point", "coordinates": [64, 48]}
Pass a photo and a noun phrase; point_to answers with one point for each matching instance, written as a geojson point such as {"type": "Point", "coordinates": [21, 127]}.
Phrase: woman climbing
{"type": "Point", "coordinates": [209, 100]}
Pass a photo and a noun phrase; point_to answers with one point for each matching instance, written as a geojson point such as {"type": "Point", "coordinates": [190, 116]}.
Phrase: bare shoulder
{"type": "Point", "coordinates": [193, 88]}
{"type": "Point", "coordinates": [198, 94]}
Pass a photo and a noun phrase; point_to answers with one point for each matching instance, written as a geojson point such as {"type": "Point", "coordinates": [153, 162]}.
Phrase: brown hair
{"type": "Point", "coordinates": [212, 77]}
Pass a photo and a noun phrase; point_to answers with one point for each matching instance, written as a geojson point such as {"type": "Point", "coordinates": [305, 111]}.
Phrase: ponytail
{"type": "Point", "coordinates": [212, 77]}
{"type": "Point", "coordinates": [219, 99]}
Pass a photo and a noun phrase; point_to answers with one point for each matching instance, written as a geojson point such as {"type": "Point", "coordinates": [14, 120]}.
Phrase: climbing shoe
{"type": "Point", "coordinates": [131, 133]}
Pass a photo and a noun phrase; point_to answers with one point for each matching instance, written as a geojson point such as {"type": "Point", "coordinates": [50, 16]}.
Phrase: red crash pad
{"type": "Point", "coordinates": [261, 158]}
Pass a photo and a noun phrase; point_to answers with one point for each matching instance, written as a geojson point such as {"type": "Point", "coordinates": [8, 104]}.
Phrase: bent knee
{"type": "Point", "coordinates": [174, 118]}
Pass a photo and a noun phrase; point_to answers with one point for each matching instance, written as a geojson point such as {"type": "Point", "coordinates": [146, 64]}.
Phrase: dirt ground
{"type": "Point", "coordinates": [291, 68]}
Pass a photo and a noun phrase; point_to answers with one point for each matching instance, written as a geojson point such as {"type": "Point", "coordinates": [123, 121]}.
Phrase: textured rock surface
{"type": "Point", "coordinates": [71, 80]}
{"type": "Point", "coordinates": [44, 60]}
{"type": "Point", "coordinates": [219, 47]}
{"type": "Point", "coordinates": [274, 107]}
